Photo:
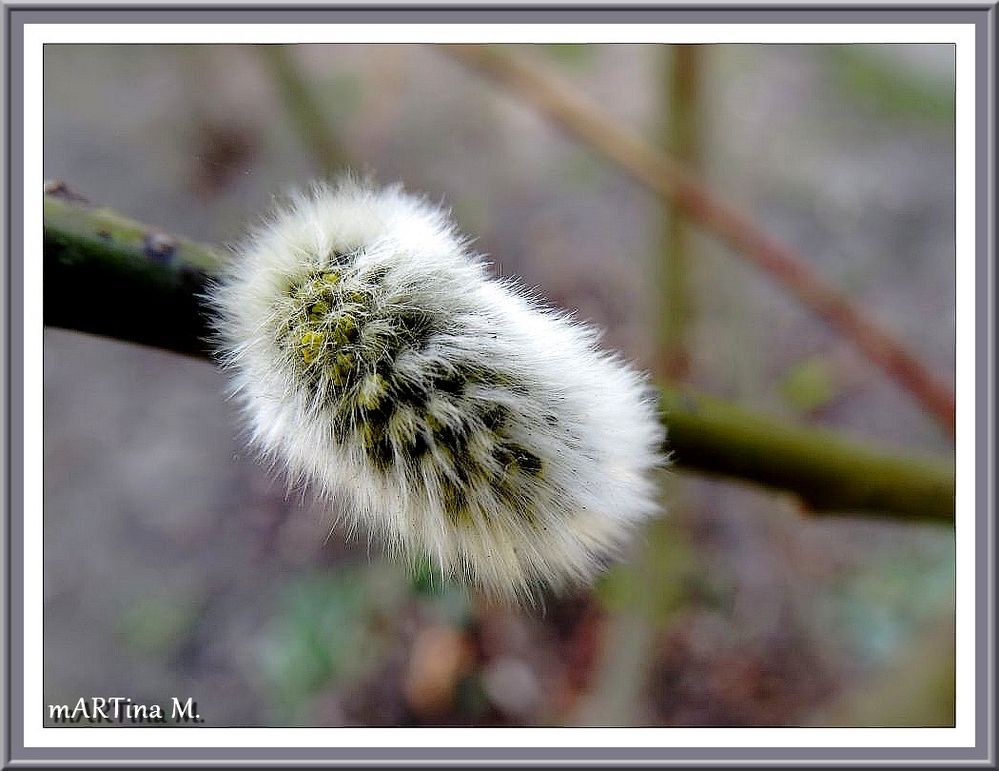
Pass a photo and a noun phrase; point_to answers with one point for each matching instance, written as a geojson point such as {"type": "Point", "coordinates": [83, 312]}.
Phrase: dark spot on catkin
{"type": "Point", "coordinates": [380, 413]}
{"type": "Point", "coordinates": [514, 458]}
{"type": "Point", "coordinates": [407, 391]}
{"type": "Point", "coordinates": [450, 382]}
{"type": "Point", "coordinates": [417, 447]}
{"type": "Point", "coordinates": [454, 438]}
{"type": "Point", "coordinates": [528, 461]}
{"type": "Point", "coordinates": [376, 275]}
{"type": "Point", "coordinates": [378, 446]}
{"type": "Point", "coordinates": [494, 416]}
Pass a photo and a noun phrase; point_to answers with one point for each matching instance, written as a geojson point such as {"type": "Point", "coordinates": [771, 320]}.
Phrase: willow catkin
{"type": "Point", "coordinates": [447, 411]}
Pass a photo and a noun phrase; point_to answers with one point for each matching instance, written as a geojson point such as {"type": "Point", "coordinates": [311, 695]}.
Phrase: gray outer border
{"type": "Point", "coordinates": [982, 14]}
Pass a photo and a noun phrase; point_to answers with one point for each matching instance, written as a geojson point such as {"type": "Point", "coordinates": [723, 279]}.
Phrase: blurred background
{"type": "Point", "coordinates": [175, 565]}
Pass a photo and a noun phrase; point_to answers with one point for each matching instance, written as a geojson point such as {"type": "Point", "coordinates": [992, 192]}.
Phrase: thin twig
{"type": "Point", "coordinates": [658, 172]}
{"type": "Point", "coordinates": [666, 557]}
{"type": "Point", "coordinates": [681, 138]}
{"type": "Point", "coordinates": [305, 110]}
{"type": "Point", "coordinates": [109, 275]}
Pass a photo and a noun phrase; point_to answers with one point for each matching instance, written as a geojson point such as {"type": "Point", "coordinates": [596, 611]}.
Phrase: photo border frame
{"type": "Point", "coordinates": [15, 15]}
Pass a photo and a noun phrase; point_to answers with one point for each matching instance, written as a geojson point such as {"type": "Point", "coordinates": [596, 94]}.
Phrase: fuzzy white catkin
{"type": "Point", "coordinates": [449, 412]}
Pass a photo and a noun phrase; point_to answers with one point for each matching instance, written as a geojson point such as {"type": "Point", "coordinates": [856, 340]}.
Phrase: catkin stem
{"type": "Point", "coordinates": [106, 274]}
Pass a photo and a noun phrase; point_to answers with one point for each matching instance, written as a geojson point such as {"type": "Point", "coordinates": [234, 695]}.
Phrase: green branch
{"type": "Point", "coordinates": [827, 471]}
{"type": "Point", "coordinates": [112, 276]}
{"type": "Point", "coordinates": [108, 275]}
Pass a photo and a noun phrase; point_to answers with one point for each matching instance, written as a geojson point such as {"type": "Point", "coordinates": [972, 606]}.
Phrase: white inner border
{"type": "Point", "coordinates": [36, 735]}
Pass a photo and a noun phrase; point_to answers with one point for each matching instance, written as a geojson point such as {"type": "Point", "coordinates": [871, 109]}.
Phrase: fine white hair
{"type": "Point", "coordinates": [449, 412]}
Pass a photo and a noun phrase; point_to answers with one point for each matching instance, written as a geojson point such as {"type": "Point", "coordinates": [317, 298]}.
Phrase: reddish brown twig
{"type": "Point", "coordinates": [560, 102]}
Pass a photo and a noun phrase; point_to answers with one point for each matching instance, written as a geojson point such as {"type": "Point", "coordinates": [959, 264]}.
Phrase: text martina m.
{"type": "Point", "coordinates": [121, 709]}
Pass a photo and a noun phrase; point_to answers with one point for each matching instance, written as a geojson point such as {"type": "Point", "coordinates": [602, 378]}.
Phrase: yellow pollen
{"type": "Point", "coordinates": [310, 344]}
